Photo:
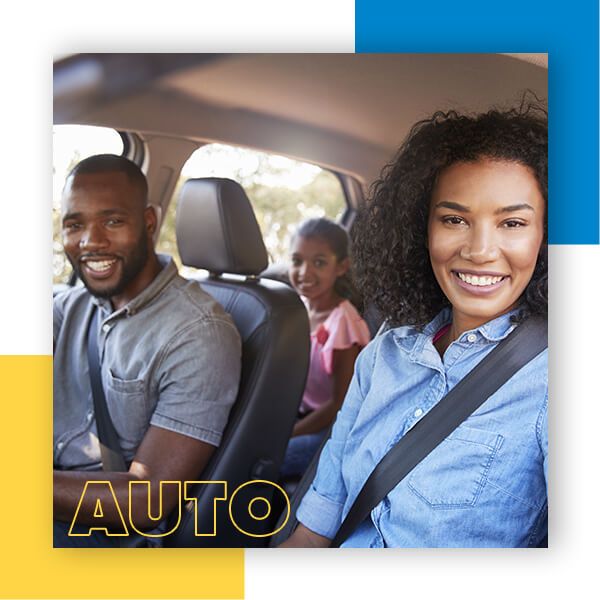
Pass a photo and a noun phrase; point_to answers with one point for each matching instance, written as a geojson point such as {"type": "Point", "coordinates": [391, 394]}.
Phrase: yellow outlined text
{"type": "Point", "coordinates": [237, 506]}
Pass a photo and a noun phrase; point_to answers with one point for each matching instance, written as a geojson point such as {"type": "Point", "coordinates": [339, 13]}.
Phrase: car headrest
{"type": "Point", "coordinates": [216, 228]}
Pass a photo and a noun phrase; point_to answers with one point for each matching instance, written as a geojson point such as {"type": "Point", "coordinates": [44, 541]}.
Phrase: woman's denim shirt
{"type": "Point", "coordinates": [483, 486]}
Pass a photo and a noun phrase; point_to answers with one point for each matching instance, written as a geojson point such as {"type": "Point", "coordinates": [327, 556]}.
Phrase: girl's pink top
{"type": "Point", "coordinates": [343, 328]}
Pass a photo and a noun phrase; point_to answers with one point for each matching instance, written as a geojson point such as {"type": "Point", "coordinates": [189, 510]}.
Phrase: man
{"type": "Point", "coordinates": [169, 354]}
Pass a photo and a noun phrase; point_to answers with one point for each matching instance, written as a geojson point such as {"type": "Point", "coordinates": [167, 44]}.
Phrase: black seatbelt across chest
{"type": "Point", "coordinates": [110, 449]}
{"type": "Point", "coordinates": [511, 354]}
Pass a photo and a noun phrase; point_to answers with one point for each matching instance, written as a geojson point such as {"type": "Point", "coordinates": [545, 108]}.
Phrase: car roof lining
{"type": "Point", "coordinates": [347, 112]}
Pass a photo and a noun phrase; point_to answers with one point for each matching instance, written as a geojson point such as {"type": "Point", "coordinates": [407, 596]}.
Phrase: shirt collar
{"type": "Point", "coordinates": [164, 277]}
{"type": "Point", "coordinates": [499, 328]}
{"type": "Point", "coordinates": [412, 340]}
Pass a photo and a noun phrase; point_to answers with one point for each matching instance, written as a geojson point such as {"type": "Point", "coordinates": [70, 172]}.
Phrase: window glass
{"type": "Point", "coordinates": [283, 193]}
{"type": "Point", "coordinates": [72, 143]}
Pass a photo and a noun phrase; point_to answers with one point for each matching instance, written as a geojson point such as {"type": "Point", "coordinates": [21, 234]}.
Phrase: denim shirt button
{"type": "Point", "coordinates": [471, 337]}
{"type": "Point", "coordinates": [418, 412]}
{"type": "Point", "coordinates": [60, 445]}
{"type": "Point", "coordinates": [106, 328]}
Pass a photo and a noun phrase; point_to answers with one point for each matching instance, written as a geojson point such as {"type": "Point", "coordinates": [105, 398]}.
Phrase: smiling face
{"type": "Point", "coordinates": [107, 235]}
{"type": "Point", "coordinates": [485, 229]}
{"type": "Point", "coordinates": [314, 270]}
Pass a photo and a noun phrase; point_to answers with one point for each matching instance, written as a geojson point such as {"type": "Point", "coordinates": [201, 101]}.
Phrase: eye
{"type": "Point", "coordinates": [453, 220]}
{"type": "Point", "coordinates": [296, 262]}
{"type": "Point", "coordinates": [69, 227]}
{"type": "Point", "coordinates": [319, 262]}
{"type": "Point", "coordinates": [513, 223]}
{"type": "Point", "coordinates": [114, 222]}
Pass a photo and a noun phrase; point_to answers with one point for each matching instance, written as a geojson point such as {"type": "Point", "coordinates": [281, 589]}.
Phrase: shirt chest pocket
{"type": "Point", "coordinates": [126, 400]}
{"type": "Point", "coordinates": [454, 474]}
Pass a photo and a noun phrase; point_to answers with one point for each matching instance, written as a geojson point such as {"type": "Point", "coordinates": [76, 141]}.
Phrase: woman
{"type": "Point", "coordinates": [453, 246]}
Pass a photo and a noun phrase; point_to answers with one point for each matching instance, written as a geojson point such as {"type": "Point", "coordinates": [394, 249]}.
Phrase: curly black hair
{"type": "Point", "coordinates": [391, 261]}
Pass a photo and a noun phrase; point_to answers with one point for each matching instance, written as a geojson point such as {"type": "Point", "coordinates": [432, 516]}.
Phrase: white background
{"type": "Point", "coordinates": [32, 34]}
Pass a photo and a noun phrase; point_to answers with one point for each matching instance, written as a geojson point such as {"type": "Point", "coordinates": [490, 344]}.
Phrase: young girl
{"type": "Point", "coordinates": [319, 273]}
{"type": "Point", "coordinates": [452, 246]}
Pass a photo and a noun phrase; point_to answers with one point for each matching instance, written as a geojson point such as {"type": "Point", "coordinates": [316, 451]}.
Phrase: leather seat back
{"type": "Point", "coordinates": [217, 231]}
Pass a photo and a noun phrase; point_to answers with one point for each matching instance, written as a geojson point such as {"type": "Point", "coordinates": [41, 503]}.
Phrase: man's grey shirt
{"type": "Point", "coordinates": [171, 358]}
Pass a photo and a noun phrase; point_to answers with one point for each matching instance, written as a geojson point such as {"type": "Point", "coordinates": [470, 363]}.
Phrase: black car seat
{"type": "Point", "coordinates": [217, 231]}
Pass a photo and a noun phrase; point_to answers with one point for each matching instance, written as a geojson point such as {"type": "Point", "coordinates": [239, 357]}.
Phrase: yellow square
{"type": "Point", "coordinates": [31, 567]}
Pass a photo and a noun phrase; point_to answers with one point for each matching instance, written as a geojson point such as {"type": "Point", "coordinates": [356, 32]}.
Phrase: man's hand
{"type": "Point", "coordinates": [162, 456]}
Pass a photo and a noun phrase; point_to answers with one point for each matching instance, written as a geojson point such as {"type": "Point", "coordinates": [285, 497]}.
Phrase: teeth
{"type": "Point", "coordinates": [479, 280]}
{"type": "Point", "coordinates": [100, 265]}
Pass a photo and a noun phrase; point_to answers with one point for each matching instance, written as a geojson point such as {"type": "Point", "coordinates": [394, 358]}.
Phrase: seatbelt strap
{"type": "Point", "coordinates": [110, 449]}
{"type": "Point", "coordinates": [511, 354]}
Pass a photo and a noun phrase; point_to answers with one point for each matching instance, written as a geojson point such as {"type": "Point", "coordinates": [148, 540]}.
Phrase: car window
{"type": "Point", "coordinates": [283, 192]}
{"type": "Point", "coordinates": [72, 143]}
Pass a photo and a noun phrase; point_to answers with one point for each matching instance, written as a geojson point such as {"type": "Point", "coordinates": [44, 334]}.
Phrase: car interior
{"type": "Point", "coordinates": [346, 113]}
